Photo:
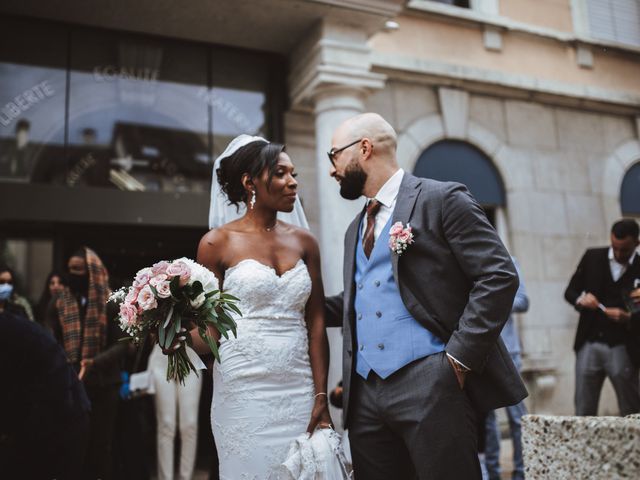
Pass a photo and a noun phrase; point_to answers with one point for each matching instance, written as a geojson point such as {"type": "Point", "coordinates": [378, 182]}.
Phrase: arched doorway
{"type": "Point", "coordinates": [630, 192]}
{"type": "Point", "coordinates": [457, 161]}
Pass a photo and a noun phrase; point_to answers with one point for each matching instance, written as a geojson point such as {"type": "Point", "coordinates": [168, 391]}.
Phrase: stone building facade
{"type": "Point", "coordinates": [547, 91]}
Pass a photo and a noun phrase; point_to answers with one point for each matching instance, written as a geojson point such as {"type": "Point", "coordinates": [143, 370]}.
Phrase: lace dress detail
{"type": "Point", "coordinates": [263, 388]}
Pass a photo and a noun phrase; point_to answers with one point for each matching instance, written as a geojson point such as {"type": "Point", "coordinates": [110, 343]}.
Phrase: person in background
{"type": "Point", "coordinates": [607, 342]}
{"type": "Point", "coordinates": [8, 294]}
{"type": "Point", "coordinates": [53, 286]}
{"type": "Point", "coordinates": [44, 410]}
{"type": "Point", "coordinates": [175, 402]}
{"type": "Point", "coordinates": [515, 412]}
{"type": "Point", "coordinates": [83, 323]}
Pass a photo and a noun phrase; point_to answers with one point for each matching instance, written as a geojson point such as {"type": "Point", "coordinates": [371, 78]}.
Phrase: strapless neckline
{"type": "Point", "coordinates": [266, 267]}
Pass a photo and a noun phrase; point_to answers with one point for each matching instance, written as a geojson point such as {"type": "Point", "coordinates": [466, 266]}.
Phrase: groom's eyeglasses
{"type": "Point", "coordinates": [334, 151]}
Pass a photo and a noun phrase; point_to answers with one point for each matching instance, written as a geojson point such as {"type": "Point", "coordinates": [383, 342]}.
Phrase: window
{"type": "Point", "coordinates": [137, 120]}
{"type": "Point", "coordinates": [32, 97]}
{"type": "Point", "coordinates": [237, 96]}
{"type": "Point", "coordinates": [615, 20]}
{"type": "Point", "coordinates": [630, 192]}
{"type": "Point", "coordinates": [124, 111]}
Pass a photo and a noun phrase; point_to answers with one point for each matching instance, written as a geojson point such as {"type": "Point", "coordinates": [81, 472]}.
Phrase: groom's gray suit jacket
{"type": "Point", "coordinates": [456, 279]}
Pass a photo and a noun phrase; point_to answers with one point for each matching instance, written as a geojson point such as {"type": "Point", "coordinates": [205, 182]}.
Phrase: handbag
{"type": "Point", "coordinates": [318, 457]}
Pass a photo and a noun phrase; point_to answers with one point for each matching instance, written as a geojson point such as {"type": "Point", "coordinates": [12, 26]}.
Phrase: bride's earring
{"type": "Point", "coordinates": [253, 199]}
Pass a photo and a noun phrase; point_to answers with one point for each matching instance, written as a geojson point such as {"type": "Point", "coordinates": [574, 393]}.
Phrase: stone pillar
{"type": "Point", "coordinates": [333, 105]}
{"type": "Point", "coordinates": [331, 74]}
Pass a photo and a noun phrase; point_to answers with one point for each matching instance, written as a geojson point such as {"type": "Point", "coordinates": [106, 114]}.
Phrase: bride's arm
{"type": "Point", "coordinates": [209, 256]}
{"type": "Point", "coordinates": [318, 343]}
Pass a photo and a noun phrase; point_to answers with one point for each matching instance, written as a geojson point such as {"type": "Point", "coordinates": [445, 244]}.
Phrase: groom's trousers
{"type": "Point", "coordinates": [416, 423]}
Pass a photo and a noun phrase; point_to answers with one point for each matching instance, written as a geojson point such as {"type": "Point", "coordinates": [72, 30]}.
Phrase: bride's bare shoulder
{"type": "Point", "coordinates": [304, 236]}
{"type": "Point", "coordinates": [212, 245]}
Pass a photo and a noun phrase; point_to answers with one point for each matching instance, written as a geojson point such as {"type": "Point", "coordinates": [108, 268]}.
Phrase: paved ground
{"type": "Point", "coordinates": [505, 461]}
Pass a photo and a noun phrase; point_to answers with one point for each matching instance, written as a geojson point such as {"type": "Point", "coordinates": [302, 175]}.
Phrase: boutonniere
{"type": "Point", "coordinates": [400, 237]}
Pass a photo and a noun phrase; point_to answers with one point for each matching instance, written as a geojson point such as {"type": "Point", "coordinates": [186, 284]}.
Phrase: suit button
{"type": "Point", "coordinates": [359, 316]}
{"type": "Point", "coordinates": [361, 347]}
{"type": "Point", "coordinates": [377, 283]}
{"type": "Point", "coordinates": [378, 314]}
{"type": "Point", "coordinates": [381, 346]}
{"type": "Point", "coordinates": [359, 286]}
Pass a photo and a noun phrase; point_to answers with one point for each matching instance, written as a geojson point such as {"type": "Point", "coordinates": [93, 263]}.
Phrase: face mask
{"type": "Point", "coordinates": [6, 289]}
{"type": "Point", "coordinates": [79, 283]}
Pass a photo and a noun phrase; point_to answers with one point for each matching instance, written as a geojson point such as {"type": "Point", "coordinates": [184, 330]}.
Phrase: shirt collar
{"type": "Point", "coordinates": [389, 191]}
{"type": "Point", "coordinates": [613, 258]}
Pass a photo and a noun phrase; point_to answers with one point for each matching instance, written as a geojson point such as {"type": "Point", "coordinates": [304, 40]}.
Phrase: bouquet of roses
{"type": "Point", "coordinates": [165, 298]}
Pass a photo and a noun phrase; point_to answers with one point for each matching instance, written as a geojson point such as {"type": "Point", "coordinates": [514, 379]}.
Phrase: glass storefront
{"type": "Point", "coordinates": [95, 108]}
{"type": "Point", "coordinates": [108, 138]}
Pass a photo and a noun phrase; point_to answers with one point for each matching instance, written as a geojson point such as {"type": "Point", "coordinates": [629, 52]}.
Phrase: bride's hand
{"type": "Point", "coordinates": [177, 341]}
{"type": "Point", "coordinates": [320, 416]}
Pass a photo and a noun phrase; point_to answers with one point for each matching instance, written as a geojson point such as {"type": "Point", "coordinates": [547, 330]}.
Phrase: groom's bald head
{"type": "Point", "coordinates": [365, 155]}
{"type": "Point", "coordinates": [373, 127]}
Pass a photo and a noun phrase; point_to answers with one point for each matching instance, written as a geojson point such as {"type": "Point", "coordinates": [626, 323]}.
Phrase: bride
{"type": "Point", "coordinates": [271, 384]}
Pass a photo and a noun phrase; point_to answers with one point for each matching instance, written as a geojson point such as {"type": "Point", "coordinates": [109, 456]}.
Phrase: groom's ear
{"type": "Point", "coordinates": [366, 147]}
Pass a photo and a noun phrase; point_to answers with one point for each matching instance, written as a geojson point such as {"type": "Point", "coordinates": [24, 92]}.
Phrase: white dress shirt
{"type": "Point", "coordinates": [387, 196]}
{"type": "Point", "coordinates": [617, 269]}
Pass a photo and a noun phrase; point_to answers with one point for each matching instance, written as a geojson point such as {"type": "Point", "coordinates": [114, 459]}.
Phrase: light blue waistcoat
{"type": "Point", "coordinates": [388, 336]}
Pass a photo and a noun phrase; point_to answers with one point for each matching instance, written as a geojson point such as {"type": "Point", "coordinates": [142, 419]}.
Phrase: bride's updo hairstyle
{"type": "Point", "coordinates": [252, 159]}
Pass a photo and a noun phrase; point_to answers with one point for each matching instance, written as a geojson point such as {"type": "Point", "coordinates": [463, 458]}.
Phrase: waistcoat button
{"type": "Point", "coordinates": [381, 346]}
{"type": "Point", "coordinates": [361, 347]}
{"type": "Point", "coordinates": [377, 283]}
{"type": "Point", "coordinates": [359, 316]}
{"type": "Point", "coordinates": [378, 314]}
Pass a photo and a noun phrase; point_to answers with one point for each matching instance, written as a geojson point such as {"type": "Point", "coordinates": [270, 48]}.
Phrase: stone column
{"type": "Point", "coordinates": [331, 74]}
{"type": "Point", "coordinates": [333, 105]}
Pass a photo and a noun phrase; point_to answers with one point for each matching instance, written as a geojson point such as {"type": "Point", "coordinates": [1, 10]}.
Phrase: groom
{"type": "Point", "coordinates": [422, 355]}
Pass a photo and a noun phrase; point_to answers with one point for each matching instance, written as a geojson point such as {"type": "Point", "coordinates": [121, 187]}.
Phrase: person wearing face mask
{"type": "Point", "coordinates": [83, 323]}
{"type": "Point", "coordinates": [9, 298]}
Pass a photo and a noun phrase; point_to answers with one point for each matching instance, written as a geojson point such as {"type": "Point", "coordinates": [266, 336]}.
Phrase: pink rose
{"type": "Point", "coordinates": [146, 299]}
{"type": "Point", "coordinates": [128, 314]}
{"type": "Point", "coordinates": [160, 267]}
{"type": "Point", "coordinates": [179, 269]}
{"type": "Point", "coordinates": [157, 279]}
{"type": "Point", "coordinates": [142, 278]}
{"type": "Point", "coordinates": [132, 296]}
{"type": "Point", "coordinates": [396, 229]}
{"type": "Point", "coordinates": [405, 236]}
{"type": "Point", "coordinates": [163, 289]}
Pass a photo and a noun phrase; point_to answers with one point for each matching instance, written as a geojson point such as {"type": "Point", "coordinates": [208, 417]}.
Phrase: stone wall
{"type": "Point", "coordinates": [554, 162]}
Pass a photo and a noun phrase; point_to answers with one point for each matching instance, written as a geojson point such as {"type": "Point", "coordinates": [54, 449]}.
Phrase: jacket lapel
{"type": "Point", "coordinates": [350, 240]}
{"type": "Point", "coordinates": [407, 196]}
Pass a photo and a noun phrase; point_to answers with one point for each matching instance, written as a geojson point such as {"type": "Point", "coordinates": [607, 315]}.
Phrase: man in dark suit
{"type": "Point", "coordinates": [421, 322]}
{"type": "Point", "coordinates": [607, 342]}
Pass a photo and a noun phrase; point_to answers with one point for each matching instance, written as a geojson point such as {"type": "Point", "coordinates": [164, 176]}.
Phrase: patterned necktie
{"type": "Point", "coordinates": [367, 240]}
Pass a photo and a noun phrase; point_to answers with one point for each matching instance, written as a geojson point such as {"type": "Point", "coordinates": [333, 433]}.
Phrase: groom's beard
{"type": "Point", "coordinates": [353, 181]}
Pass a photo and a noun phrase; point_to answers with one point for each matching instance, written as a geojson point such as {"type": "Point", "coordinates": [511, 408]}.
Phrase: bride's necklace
{"type": "Point", "coordinates": [272, 227]}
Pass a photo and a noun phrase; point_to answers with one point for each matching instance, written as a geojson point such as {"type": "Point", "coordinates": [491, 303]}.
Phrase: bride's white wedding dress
{"type": "Point", "coordinates": [263, 388]}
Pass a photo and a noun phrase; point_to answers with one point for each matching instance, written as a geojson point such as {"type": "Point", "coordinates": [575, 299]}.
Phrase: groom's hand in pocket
{"type": "Point", "coordinates": [461, 375]}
